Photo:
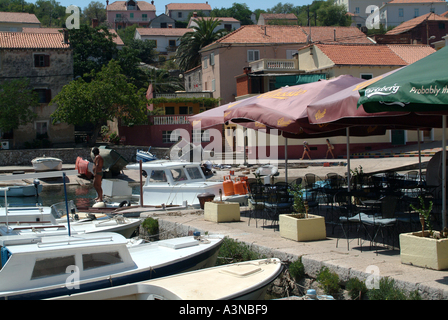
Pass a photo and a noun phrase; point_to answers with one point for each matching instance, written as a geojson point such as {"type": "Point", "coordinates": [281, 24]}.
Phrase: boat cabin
{"type": "Point", "coordinates": [174, 182]}
{"type": "Point", "coordinates": [48, 261]}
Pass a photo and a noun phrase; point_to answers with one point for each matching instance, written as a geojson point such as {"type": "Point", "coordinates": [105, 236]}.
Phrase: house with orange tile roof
{"type": "Point", "coordinates": [277, 18]}
{"type": "Point", "coordinates": [396, 12]}
{"type": "Point", "coordinates": [46, 59]}
{"type": "Point", "coordinates": [16, 21]}
{"type": "Point", "coordinates": [166, 39]}
{"type": "Point", "coordinates": [181, 11]}
{"type": "Point", "coordinates": [425, 29]}
{"type": "Point", "coordinates": [121, 14]}
{"type": "Point", "coordinates": [228, 23]}
{"type": "Point", "coordinates": [227, 57]}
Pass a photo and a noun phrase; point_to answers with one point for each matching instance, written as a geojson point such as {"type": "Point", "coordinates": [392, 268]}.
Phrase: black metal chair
{"type": "Point", "coordinates": [346, 216]}
{"type": "Point", "coordinates": [278, 201]}
{"type": "Point", "coordinates": [257, 198]}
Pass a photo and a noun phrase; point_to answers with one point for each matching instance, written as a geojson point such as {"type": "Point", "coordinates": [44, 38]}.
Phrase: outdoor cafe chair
{"type": "Point", "coordinates": [345, 215]}
{"type": "Point", "coordinates": [278, 200]}
{"type": "Point", "coordinates": [256, 199]}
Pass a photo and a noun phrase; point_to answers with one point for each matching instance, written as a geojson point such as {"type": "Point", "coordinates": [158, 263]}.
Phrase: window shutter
{"type": "Point", "coordinates": [256, 55]}
{"type": "Point", "coordinates": [47, 95]}
{"type": "Point", "coordinates": [36, 60]}
{"type": "Point", "coordinates": [46, 60]}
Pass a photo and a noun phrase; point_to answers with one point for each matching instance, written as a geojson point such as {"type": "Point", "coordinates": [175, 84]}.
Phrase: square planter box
{"type": "Point", "coordinates": [312, 228]}
{"type": "Point", "coordinates": [423, 252]}
{"type": "Point", "coordinates": [222, 211]}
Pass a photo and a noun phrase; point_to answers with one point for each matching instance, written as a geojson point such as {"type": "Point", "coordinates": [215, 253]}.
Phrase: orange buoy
{"type": "Point", "coordinates": [227, 185]}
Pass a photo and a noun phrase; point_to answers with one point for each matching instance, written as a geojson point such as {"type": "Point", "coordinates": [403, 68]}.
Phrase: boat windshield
{"type": "Point", "coordinates": [194, 173]}
{"type": "Point", "coordinates": [178, 174]}
{"type": "Point", "coordinates": [157, 176]}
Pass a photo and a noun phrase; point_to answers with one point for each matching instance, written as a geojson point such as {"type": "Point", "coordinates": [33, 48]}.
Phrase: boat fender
{"type": "Point", "coordinates": [124, 203]}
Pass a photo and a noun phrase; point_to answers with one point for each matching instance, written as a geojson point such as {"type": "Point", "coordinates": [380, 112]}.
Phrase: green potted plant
{"type": "Point", "coordinates": [426, 248]}
{"type": "Point", "coordinates": [300, 225]}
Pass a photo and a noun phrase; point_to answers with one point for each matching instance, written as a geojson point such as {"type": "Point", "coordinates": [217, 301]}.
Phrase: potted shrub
{"type": "Point", "coordinates": [426, 248]}
{"type": "Point", "coordinates": [301, 226]}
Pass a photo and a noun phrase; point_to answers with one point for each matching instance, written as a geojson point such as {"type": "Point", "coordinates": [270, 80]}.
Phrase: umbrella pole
{"type": "Point", "coordinates": [348, 158]}
{"type": "Point", "coordinates": [444, 171]}
{"type": "Point", "coordinates": [286, 160]}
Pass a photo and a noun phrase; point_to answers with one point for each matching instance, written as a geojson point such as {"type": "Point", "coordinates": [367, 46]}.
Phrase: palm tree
{"type": "Point", "coordinates": [163, 82]}
{"type": "Point", "coordinates": [187, 56]}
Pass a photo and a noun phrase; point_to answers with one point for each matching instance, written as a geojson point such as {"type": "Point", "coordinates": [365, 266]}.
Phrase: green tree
{"type": "Point", "coordinates": [163, 82]}
{"type": "Point", "coordinates": [332, 14]}
{"type": "Point", "coordinates": [17, 100]}
{"type": "Point", "coordinates": [95, 10]}
{"type": "Point", "coordinates": [106, 97]}
{"type": "Point", "coordinates": [92, 48]}
{"type": "Point", "coordinates": [187, 56]}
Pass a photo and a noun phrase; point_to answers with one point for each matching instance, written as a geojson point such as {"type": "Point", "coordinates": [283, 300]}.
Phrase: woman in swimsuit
{"type": "Point", "coordinates": [98, 173]}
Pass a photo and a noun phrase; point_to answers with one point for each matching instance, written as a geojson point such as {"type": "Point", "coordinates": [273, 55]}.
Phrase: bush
{"type": "Point", "coordinates": [328, 281]}
{"type": "Point", "coordinates": [232, 251]}
{"type": "Point", "coordinates": [356, 288]}
{"type": "Point", "coordinates": [388, 291]}
{"type": "Point", "coordinates": [151, 225]}
{"type": "Point", "coordinates": [297, 270]}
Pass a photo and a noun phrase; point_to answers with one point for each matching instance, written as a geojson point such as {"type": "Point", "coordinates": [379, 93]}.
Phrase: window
{"type": "Point", "coordinates": [228, 27]}
{"type": "Point", "coordinates": [169, 110]}
{"type": "Point", "coordinates": [163, 25]}
{"type": "Point", "coordinates": [366, 76]}
{"type": "Point", "coordinates": [357, 10]}
{"type": "Point", "coordinates": [170, 136]}
{"type": "Point", "coordinates": [41, 128]}
{"type": "Point", "coordinates": [44, 95]}
{"type": "Point", "coordinates": [118, 17]}
{"type": "Point", "coordinates": [201, 135]}
{"type": "Point", "coordinates": [400, 12]}
{"type": "Point", "coordinates": [52, 266]}
{"type": "Point", "coordinates": [145, 17]}
{"type": "Point", "coordinates": [96, 260]}
{"type": "Point", "coordinates": [212, 59]}
{"type": "Point", "coordinates": [178, 175]}
{"type": "Point", "coordinates": [131, 15]}
{"type": "Point", "coordinates": [172, 43]}
{"type": "Point", "coordinates": [205, 62]}
{"type": "Point", "coordinates": [179, 14]}
{"type": "Point", "coordinates": [194, 173]}
{"type": "Point", "coordinates": [41, 60]}
{"type": "Point", "coordinates": [416, 12]}
{"type": "Point", "coordinates": [253, 55]}
{"type": "Point", "coordinates": [183, 110]}
{"type": "Point", "coordinates": [157, 176]}
{"type": "Point", "coordinates": [213, 85]}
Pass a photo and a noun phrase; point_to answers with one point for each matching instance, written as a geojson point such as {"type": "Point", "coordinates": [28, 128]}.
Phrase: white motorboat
{"type": "Point", "coordinates": [22, 189]}
{"type": "Point", "coordinates": [46, 164]}
{"type": "Point", "coordinates": [145, 156]}
{"type": "Point", "coordinates": [63, 265]}
{"type": "Point", "coordinates": [47, 220]}
{"type": "Point", "coordinates": [238, 281]}
{"type": "Point", "coordinates": [177, 182]}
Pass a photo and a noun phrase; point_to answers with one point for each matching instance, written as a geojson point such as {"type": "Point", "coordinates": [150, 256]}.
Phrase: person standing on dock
{"type": "Point", "coordinates": [98, 173]}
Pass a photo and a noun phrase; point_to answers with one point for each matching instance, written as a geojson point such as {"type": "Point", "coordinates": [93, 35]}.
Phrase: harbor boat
{"type": "Point", "coordinates": [177, 182]}
{"type": "Point", "coordinates": [22, 189]}
{"type": "Point", "coordinates": [46, 164]}
{"type": "Point", "coordinates": [63, 265]}
{"type": "Point", "coordinates": [145, 156]}
{"type": "Point", "coordinates": [238, 281]}
{"type": "Point", "coordinates": [46, 220]}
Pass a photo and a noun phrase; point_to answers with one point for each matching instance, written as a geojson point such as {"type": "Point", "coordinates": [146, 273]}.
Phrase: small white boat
{"type": "Point", "coordinates": [267, 170]}
{"type": "Point", "coordinates": [239, 281]}
{"type": "Point", "coordinates": [46, 164]}
{"type": "Point", "coordinates": [177, 182]}
{"type": "Point", "coordinates": [63, 265]}
{"type": "Point", "coordinates": [24, 189]}
{"type": "Point", "coordinates": [48, 220]}
{"type": "Point", "coordinates": [145, 156]}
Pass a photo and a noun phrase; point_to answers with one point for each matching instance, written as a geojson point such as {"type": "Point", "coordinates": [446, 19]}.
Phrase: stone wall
{"type": "Point", "coordinates": [23, 157]}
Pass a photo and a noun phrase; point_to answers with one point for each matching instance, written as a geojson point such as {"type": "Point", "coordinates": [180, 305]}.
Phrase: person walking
{"type": "Point", "coordinates": [306, 150]}
{"type": "Point", "coordinates": [98, 173]}
{"type": "Point", "coordinates": [330, 149]}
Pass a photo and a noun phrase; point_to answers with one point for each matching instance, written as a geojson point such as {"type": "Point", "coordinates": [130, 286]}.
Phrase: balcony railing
{"type": "Point", "coordinates": [162, 120]}
{"type": "Point", "coordinates": [184, 95]}
{"type": "Point", "coordinates": [274, 65]}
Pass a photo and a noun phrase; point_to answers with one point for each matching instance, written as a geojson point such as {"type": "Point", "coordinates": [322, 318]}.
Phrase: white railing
{"type": "Point", "coordinates": [184, 95]}
{"type": "Point", "coordinates": [162, 120]}
{"type": "Point", "coordinates": [274, 65]}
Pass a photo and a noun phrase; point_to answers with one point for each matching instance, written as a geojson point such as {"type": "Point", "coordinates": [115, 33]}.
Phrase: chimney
{"type": "Point", "coordinates": [94, 22]}
{"type": "Point", "coordinates": [107, 2]}
{"type": "Point", "coordinates": [170, 26]}
{"type": "Point", "coordinates": [65, 31]}
{"type": "Point", "coordinates": [152, 2]}
{"type": "Point", "coordinates": [195, 14]}
{"type": "Point", "coordinates": [334, 32]}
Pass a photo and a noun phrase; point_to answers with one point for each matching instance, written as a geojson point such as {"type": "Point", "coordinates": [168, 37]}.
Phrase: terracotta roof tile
{"type": "Point", "coordinates": [341, 34]}
{"type": "Point", "coordinates": [353, 54]}
{"type": "Point", "coordinates": [410, 52]}
{"type": "Point", "coordinates": [407, 25]}
{"type": "Point", "coordinates": [22, 17]}
{"type": "Point", "coordinates": [283, 16]}
{"type": "Point", "coordinates": [20, 40]}
{"type": "Point", "coordinates": [163, 31]}
{"type": "Point", "coordinates": [42, 30]}
{"type": "Point", "coordinates": [188, 6]}
{"type": "Point", "coordinates": [121, 5]}
{"type": "Point", "coordinates": [223, 19]}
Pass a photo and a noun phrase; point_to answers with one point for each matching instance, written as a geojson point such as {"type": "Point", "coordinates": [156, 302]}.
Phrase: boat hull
{"type": "Point", "coordinates": [202, 259]}
{"type": "Point", "coordinates": [46, 164]}
{"type": "Point", "coordinates": [26, 190]}
{"type": "Point", "coordinates": [145, 156]}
